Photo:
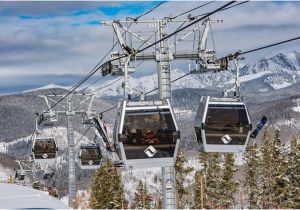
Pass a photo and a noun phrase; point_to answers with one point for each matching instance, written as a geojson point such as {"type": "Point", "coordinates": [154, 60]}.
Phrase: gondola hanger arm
{"type": "Point", "coordinates": [125, 48]}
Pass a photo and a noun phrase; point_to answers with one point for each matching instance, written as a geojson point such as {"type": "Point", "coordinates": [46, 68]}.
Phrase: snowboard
{"type": "Point", "coordinates": [258, 128]}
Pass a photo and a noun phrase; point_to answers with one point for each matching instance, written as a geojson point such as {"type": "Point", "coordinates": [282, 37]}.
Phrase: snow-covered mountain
{"type": "Point", "coordinates": [280, 71]}
{"type": "Point", "coordinates": [274, 73]}
{"type": "Point", "coordinates": [50, 86]}
{"type": "Point", "coordinates": [279, 63]}
{"type": "Point", "coordinates": [277, 72]}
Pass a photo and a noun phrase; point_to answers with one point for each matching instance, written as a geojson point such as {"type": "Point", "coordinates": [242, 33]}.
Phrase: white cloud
{"type": "Point", "coordinates": [56, 45]}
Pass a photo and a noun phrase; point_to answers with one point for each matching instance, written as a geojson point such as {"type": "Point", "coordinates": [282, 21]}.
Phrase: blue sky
{"type": "Point", "coordinates": [41, 38]}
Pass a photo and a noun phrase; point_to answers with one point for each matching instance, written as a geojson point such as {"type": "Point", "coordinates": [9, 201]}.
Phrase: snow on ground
{"type": "Point", "coordinates": [296, 109]}
{"type": "Point", "coordinates": [65, 200]}
{"type": "Point", "coordinates": [16, 196]}
{"type": "Point", "coordinates": [239, 159]}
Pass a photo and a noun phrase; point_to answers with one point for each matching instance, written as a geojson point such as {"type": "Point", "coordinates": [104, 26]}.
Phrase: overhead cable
{"type": "Point", "coordinates": [97, 66]}
{"type": "Point", "coordinates": [195, 8]}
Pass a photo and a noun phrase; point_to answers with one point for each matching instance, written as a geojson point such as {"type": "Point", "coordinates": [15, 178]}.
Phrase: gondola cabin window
{"type": "Point", "coordinates": [145, 128]}
{"type": "Point", "coordinates": [226, 124]}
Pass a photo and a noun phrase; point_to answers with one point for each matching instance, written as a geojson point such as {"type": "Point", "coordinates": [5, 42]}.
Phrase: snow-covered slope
{"type": "Point", "coordinates": [17, 197]}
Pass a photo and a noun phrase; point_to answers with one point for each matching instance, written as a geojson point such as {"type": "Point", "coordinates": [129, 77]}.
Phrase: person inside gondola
{"type": "Point", "coordinates": [162, 136]}
{"type": "Point", "coordinates": [126, 131]}
{"type": "Point", "coordinates": [135, 136]}
{"type": "Point", "coordinates": [52, 146]}
{"type": "Point", "coordinates": [150, 138]}
{"type": "Point", "coordinates": [39, 146]}
{"type": "Point", "coordinates": [47, 147]}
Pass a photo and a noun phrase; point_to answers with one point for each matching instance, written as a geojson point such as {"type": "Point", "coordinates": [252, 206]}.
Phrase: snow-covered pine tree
{"type": "Point", "coordinates": [142, 199]}
{"type": "Point", "coordinates": [213, 177]}
{"type": "Point", "coordinates": [267, 171]}
{"type": "Point", "coordinates": [107, 190]}
{"type": "Point", "coordinates": [228, 186]}
{"type": "Point", "coordinates": [251, 177]}
{"type": "Point", "coordinates": [204, 158]}
{"type": "Point", "coordinates": [183, 197]}
{"type": "Point", "coordinates": [280, 186]}
{"type": "Point", "coordinates": [293, 175]}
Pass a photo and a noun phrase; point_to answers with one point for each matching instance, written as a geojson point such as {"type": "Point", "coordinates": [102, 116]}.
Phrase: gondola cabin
{"type": "Point", "coordinates": [147, 134]}
{"type": "Point", "coordinates": [20, 175]}
{"type": "Point", "coordinates": [48, 173]}
{"type": "Point", "coordinates": [222, 125]}
{"type": "Point", "coordinates": [44, 149]}
{"type": "Point", "coordinates": [90, 156]}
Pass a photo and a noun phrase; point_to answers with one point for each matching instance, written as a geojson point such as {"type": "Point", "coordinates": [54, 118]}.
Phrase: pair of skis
{"type": "Point", "coordinates": [101, 131]}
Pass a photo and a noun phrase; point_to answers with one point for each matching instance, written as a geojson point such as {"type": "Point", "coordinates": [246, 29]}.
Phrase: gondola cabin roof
{"type": "Point", "coordinates": [147, 134]}
{"type": "Point", "coordinates": [222, 125]}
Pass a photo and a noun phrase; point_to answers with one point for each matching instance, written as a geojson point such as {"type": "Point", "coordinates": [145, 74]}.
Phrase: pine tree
{"type": "Point", "coordinates": [107, 190]}
{"type": "Point", "coordinates": [228, 187]}
{"type": "Point", "coordinates": [199, 183]}
{"type": "Point", "coordinates": [293, 174]}
{"type": "Point", "coordinates": [280, 186]}
{"type": "Point", "coordinates": [251, 177]}
{"type": "Point", "coordinates": [213, 177]}
{"type": "Point", "coordinates": [267, 174]}
{"type": "Point", "coordinates": [181, 172]}
{"type": "Point", "coordinates": [142, 199]}
{"type": "Point", "coordinates": [159, 204]}
{"type": "Point", "coordinates": [204, 159]}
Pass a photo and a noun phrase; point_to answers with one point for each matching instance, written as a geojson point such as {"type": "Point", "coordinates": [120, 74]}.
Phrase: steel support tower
{"type": "Point", "coordinates": [75, 104]}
